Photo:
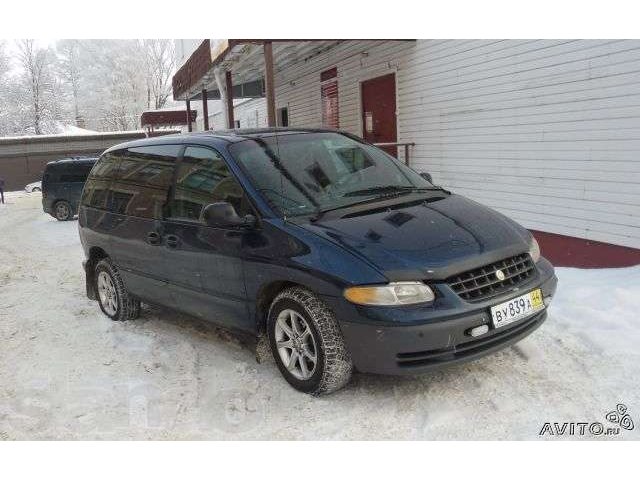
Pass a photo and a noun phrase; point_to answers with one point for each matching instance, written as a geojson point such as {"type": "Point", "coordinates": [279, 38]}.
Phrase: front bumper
{"type": "Point", "coordinates": [413, 340]}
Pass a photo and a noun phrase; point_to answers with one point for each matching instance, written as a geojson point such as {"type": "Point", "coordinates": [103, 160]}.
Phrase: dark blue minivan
{"type": "Point", "coordinates": [338, 254]}
{"type": "Point", "coordinates": [62, 184]}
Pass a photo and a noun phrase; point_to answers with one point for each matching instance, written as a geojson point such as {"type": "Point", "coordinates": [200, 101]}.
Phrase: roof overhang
{"type": "Point", "coordinates": [245, 60]}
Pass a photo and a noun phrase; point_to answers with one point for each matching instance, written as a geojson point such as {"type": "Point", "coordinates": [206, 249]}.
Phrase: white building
{"type": "Point", "coordinates": [545, 131]}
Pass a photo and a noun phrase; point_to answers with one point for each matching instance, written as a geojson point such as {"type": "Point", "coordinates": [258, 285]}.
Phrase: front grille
{"type": "Point", "coordinates": [482, 283]}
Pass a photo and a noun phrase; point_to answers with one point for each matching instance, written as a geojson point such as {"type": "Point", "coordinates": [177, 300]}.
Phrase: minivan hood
{"type": "Point", "coordinates": [425, 240]}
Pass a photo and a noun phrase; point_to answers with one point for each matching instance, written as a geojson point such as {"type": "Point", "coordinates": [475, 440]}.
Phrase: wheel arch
{"type": "Point", "coordinates": [265, 297]}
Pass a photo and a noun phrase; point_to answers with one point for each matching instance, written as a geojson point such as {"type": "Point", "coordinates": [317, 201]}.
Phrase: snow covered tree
{"type": "Point", "coordinates": [4, 61]}
{"type": "Point", "coordinates": [101, 85]}
{"type": "Point", "coordinates": [160, 62]}
{"type": "Point", "coordinates": [6, 101]}
{"type": "Point", "coordinates": [69, 66]}
{"type": "Point", "coordinates": [38, 88]}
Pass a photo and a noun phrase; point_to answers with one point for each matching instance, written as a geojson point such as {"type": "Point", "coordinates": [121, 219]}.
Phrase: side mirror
{"type": "Point", "coordinates": [427, 177]}
{"type": "Point", "coordinates": [223, 215]}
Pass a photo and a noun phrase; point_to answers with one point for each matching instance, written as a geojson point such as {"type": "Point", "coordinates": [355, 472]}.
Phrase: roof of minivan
{"type": "Point", "coordinates": [72, 161]}
{"type": "Point", "coordinates": [220, 136]}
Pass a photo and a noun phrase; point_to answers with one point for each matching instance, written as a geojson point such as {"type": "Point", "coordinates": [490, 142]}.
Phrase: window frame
{"type": "Point", "coordinates": [172, 190]}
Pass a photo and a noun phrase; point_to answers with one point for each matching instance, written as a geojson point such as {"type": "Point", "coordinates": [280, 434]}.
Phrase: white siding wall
{"type": "Point", "coordinates": [298, 87]}
{"type": "Point", "coordinates": [547, 132]}
{"type": "Point", "coordinates": [251, 113]}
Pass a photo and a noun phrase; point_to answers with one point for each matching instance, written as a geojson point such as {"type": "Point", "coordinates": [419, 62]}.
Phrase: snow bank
{"type": "Point", "coordinates": [601, 306]}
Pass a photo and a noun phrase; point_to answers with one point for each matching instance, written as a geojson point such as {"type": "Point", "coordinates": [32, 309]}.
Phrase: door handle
{"type": "Point", "coordinates": [154, 238]}
{"type": "Point", "coordinates": [172, 241]}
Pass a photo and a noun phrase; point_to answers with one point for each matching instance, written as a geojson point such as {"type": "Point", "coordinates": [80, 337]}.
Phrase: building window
{"type": "Point", "coordinates": [283, 117]}
{"type": "Point", "coordinates": [329, 98]}
{"type": "Point", "coordinates": [236, 123]}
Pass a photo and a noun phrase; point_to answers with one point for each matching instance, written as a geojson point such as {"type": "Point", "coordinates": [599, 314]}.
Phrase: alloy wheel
{"type": "Point", "coordinates": [296, 344]}
{"type": "Point", "coordinates": [107, 293]}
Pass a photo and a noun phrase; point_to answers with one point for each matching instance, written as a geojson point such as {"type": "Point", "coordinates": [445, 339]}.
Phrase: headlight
{"type": "Point", "coordinates": [534, 250]}
{"type": "Point", "coordinates": [397, 293]}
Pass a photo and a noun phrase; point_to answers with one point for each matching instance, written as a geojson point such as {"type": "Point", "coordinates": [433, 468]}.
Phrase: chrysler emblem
{"type": "Point", "coordinates": [500, 275]}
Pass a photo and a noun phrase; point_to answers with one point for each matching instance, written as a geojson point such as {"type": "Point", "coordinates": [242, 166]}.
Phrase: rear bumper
{"type": "Point", "coordinates": [441, 338]}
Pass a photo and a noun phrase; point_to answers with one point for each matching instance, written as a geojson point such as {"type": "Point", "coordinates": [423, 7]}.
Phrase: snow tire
{"type": "Point", "coordinates": [334, 366]}
{"type": "Point", "coordinates": [127, 307]}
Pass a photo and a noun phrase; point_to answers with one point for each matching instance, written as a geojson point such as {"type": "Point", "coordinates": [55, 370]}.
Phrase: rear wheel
{"type": "Point", "coordinates": [307, 344]}
{"type": "Point", "coordinates": [36, 189]}
{"type": "Point", "coordinates": [62, 211]}
{"type": "Point", "coordinates": [115, 302]}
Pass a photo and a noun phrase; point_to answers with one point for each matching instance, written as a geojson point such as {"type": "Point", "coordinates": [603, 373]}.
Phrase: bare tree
{"type": "Point", "coordinates": [95, 84]}
{"type": "Point", "coordinates": [38, 82]}
{"type": "Point", "coordinates": [4, 61]}
{"type": "Point", "coordinates": [70, 68]}
{"type": "Point", "coordinates": [160, 60]}
{"type": "Point", "coordinates": [4, 99]}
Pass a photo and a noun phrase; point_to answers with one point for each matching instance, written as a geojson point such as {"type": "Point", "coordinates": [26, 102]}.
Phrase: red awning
{"type": "Point", "coordinates": [166, 118]}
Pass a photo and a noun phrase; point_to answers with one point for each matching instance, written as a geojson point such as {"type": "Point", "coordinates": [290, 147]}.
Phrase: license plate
{"type": "Point", "coordinates": [517, 308]}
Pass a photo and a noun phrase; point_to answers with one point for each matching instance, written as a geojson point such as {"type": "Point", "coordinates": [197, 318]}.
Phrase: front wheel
{"type": "Point", "coordinates": [307, 344]}
{"type": "Point", "coordinates": [62, 211]}
{"type": "Point", "coordinates": [115, 302]}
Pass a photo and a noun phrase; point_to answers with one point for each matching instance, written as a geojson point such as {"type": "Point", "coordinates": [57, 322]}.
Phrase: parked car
{"type": "Point", "coordinates": [62, 184]}
{"type": "Point", "coordinates": [344, 257]}
{"type": "Point", "coordinates": [33, 187]}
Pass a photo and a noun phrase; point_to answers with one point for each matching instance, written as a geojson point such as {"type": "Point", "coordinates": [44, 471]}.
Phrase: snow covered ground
{"type": "Point", "coordinates": [68, 372]}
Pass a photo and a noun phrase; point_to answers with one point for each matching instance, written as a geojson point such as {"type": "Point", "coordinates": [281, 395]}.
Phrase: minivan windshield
{"type": "Point", "coordinates": [313, 172]}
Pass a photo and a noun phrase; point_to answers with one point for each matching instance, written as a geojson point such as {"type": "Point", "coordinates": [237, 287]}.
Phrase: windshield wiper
{"type": "Point", "coordinates": [321, 211]}
{"type": "Point", "coordinates": [387, 189]}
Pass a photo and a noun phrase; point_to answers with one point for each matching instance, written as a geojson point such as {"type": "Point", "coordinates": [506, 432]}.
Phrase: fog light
{"type": "Point", "coordinates": [477, 331]}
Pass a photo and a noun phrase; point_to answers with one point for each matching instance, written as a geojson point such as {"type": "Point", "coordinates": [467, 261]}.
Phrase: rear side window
{"type": "Point", "coordinates": [141, 180]}
{"type": "Point", "coordinates": [105, 167]}
{"type": "Point", "coordinates": [96, 188]}
{"type": "Point", "coordinates": [203, 178]}
{"type": "Point", "coordinates": [68, 172]}
{"type": "Point", "coordinates": [95, 193]}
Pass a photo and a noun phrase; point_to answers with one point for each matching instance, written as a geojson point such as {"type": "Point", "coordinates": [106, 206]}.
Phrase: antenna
{"type": "Point", "coordinates": [284, 211]}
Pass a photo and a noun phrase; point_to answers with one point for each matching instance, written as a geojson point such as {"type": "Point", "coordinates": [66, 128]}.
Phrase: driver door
{"type": "Point", "coordinates": [204, 264]}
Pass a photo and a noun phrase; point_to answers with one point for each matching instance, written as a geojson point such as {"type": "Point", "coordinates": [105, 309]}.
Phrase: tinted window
{"type": "Point", "coordinates": [68, 172]}
{"type": "Point", "coordinates": [106, 166]}
{"type": "Point", "coordinates": [142, 177]}
{"type": "Point", "coordinates": [73, 177]}
{"type": "Point", "coordinates": [95, 193]}
{"type": "Point", "coordinates": [203, 178]}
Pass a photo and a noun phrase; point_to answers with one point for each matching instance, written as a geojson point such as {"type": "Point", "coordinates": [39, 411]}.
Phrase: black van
{"type": "Point", "coordinates": [62, 184]}
{"type": "Point", "coordinates": [344, 257]}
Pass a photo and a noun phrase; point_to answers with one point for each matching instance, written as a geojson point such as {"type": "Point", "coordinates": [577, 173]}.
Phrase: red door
{"type": "Point", "coordinates": [379, 111]}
